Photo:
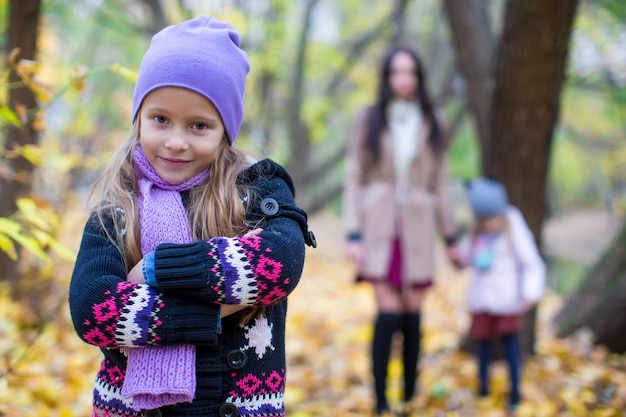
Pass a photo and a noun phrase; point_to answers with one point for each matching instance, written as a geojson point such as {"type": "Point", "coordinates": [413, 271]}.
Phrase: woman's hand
{"type": "Point", "coordinates": [356, 251]}
{"type": "Point", "coordinates": [454, 256]}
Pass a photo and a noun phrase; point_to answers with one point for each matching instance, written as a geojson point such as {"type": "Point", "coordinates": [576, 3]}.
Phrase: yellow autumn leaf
{"type": "Point", "coordinates": [39, 123]}
{"type": "Point", "coordinates": [78, 77]}
{"type": "Point", "coordinates": [33, 214]}
{"type": "Point", "coordinates": [30, 244]}
{"type": "Point", "coordinates": [127, 73]}
{"type": "Point", "coordinates": [34, 154]}
{"type": "Point", "coordinates": [27, 70]}
{"type": "Point", "coordinates": [7, 246]}
{"type": "Point", "coordinates": [15, 52]}
{"type": "Point", "coordinates": [8, 226]}
{"type": "Point", "coordinates": [63, 251]}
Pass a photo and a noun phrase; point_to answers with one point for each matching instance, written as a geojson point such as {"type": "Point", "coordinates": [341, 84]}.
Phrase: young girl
{"type": "Point", "coordinates": [191, 250]}
{"type": "Point", "coordinates": [508, 277]}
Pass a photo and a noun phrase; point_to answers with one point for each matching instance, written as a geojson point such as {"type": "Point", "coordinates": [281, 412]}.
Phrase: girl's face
{"type": "Point", "coordinates": [403, 76]}
{"type": "Point", "coordinates": [492, 224]}
{"type": "Point", "coordinates": [180, 133]}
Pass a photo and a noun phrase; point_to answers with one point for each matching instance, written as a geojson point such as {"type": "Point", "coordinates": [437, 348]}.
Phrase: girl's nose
{"type": "Point", "coordinates": [176, 141]}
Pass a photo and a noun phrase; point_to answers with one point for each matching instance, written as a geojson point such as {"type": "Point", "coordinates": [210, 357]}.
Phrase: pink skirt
{"type": "Point", "coordinates": [486, 326]}
{"type": "Point", "coordinates": [394, 276]}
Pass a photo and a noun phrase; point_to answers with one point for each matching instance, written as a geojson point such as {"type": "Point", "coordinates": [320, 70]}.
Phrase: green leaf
{"type": "Point", "coordinates": [7, 246]}
{"type": "Point", "coordinates": [9, 116]}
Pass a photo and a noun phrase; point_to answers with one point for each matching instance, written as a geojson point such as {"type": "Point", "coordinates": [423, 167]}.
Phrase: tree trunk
{"type": "Point", "coordinates": [600, 301]}
{"type": "Point", "coordinates": [22, 34]}
{"type": "Point", "coordinates": [529, 73]}
{"type": "Point", "coordinates": [514, 96]}
{"type": "Point", "coordinates": [474, 45]}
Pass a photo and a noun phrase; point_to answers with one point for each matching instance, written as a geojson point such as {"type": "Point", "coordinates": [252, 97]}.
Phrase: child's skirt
{"type": "Point", "coordinates": [487, 326]}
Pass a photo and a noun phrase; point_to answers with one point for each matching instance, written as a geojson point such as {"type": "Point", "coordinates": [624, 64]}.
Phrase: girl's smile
{"type": "Point", "coordinates": [180, 133]}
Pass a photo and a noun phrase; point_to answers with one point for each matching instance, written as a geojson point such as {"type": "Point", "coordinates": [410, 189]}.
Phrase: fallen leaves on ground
{"type": "Point", "coordinates": [47, 371]}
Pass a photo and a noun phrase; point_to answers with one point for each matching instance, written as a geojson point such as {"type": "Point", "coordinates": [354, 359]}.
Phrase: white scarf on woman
{"type": "Point", "coordinates": [405, 121]}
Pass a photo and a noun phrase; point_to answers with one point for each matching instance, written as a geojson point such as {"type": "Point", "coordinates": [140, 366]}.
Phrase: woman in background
{"type": "Point", "coordinates": [395, 206]}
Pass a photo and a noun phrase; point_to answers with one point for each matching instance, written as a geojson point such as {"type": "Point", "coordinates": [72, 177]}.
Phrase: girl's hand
{"type": "Point", "coordinates": [356, 251]}
{"type": "Point", "coordinates": [136, 274]}
{"type": "Point", "coordinates": [228, 309]}
{"type": "Point", "coordinates": [254, 232]}
{"type": "Point", "coordinates": [528, 305]}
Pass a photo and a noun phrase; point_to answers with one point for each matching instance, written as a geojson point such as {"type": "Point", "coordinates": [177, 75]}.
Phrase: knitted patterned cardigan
{"type": "Point", "coordinates": [240, 370]}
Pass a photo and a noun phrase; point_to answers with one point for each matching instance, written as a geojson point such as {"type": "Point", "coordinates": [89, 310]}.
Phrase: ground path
{"type": "Point", "coordinates": [328, 351]}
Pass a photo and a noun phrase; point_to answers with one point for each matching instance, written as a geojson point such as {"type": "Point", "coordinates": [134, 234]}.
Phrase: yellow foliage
{"type": "Point", "coordinates": [129, 74]}
{"type": "Point", "coordinates": [27, 70]}
{"type": "Point", "coordinates": [49, 371]}
{"type": "Point", "coordinates": [33, 227]}
{"type": "Point", "coordinates": [78, 77]}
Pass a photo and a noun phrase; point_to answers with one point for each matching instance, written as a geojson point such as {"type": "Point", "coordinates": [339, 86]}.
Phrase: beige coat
{"type": "Point", "coordinates": [378, 207]}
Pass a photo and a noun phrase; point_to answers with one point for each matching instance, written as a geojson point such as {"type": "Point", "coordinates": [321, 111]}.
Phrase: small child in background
{"type": "Point", "coordinates": [508, 277]}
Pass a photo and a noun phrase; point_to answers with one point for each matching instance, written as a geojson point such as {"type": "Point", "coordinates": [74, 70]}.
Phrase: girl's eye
{"type": "Point", "coordinates": [159, 119]}
{"type": "Point", "coordinates": [199, 126]}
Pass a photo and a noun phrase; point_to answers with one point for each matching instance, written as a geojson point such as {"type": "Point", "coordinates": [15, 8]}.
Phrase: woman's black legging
{"type": "Point", "coordinates": [386, 325]}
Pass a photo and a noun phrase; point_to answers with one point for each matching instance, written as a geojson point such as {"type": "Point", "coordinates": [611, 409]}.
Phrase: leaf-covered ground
{"type": "Point", "coordinates": [48, 371]}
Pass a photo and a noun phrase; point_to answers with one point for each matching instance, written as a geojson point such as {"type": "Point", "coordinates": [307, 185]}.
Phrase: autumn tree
{"type": "Point", "coordinates": [21, 43]}
{"type": "Point", "coordinates": [598, 302]}
{"type": "Point", "coordinates": [514, 89]}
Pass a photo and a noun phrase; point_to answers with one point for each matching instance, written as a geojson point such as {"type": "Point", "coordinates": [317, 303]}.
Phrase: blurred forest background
{"type": "Point", "coordinates": [535, 93]}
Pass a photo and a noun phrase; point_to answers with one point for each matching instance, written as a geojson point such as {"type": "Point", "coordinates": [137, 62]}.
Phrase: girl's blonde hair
{"type": "Point", "coordinates": [214, 209]}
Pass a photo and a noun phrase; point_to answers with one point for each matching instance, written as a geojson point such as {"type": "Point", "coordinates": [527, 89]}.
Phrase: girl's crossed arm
{"type": "Point", "coordinates": [189, 281]}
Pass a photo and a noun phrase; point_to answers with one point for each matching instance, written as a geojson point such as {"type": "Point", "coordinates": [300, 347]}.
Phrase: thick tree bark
{"type": "Point", "coordinates": [22, 34]}
{"type": "Point", "coordinates": [529, 74]}
{"type": "Point", "coordinates": [299, 132]}
{"type": "Point", "coordinates": [474, 45]}
{"type": "Point", "coordinates": [600, 301]}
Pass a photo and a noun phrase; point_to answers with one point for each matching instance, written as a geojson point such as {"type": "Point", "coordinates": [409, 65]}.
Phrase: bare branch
{"type": "Point", "coordinates": [325, 166]}
{"type": "Point", "coordinates": [358, 48]}
{"type": "Point", "coordinates": [321, 199]}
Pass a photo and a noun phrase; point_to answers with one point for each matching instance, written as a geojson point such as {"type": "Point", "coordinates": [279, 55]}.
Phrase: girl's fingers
{"type": "Point", "coordinates": [254, 232]}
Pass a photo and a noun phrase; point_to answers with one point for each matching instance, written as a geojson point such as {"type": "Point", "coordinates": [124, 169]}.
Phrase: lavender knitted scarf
{"type": "Point", "coordinates": [160, 375]}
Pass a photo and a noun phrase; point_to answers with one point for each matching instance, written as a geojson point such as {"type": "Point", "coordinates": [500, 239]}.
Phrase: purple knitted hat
{"type": "Point", "coordinates": [202, 55]}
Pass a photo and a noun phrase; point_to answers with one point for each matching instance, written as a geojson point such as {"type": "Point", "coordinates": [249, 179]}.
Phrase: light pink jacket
{"type": "Point", "coordinates": [517, 273]}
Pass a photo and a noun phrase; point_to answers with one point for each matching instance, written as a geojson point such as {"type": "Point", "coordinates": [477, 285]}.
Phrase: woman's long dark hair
{"type": "Point", "coordinates": [377, 119]}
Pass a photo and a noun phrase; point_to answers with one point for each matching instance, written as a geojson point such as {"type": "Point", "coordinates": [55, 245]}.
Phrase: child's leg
{"type": "Point", "coordinates": [410, 353]}
{"type": "Point", "coordinates": [386, 325]}
{"type": "Point", "coordinates": [512, 353]}
{"type": "Point", "coordinates": [483, 351]}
